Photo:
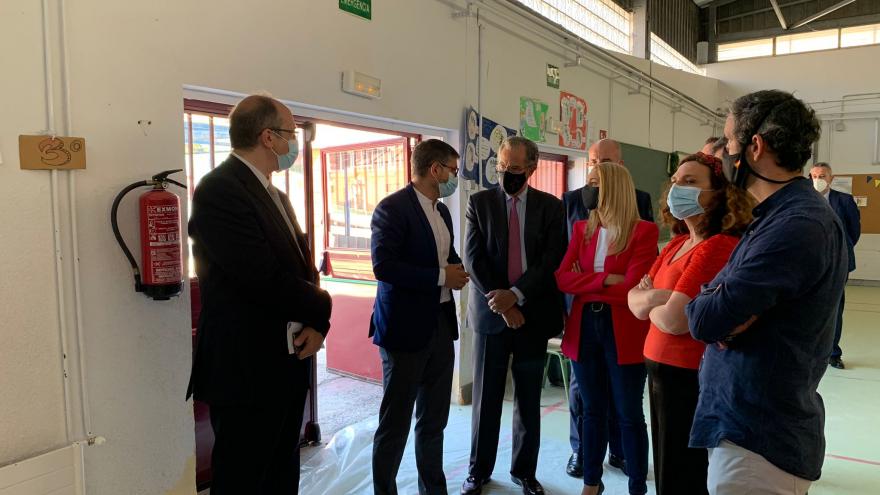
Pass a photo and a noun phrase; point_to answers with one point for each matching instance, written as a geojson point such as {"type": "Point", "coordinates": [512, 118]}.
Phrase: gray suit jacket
{"type": "Point", "coordinates": [486, 260]}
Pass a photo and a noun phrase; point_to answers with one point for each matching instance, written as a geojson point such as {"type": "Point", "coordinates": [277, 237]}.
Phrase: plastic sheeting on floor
{"type": "Point", "coordinates": [343, 466]}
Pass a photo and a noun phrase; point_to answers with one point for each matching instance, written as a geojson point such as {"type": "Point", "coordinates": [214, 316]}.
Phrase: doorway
{"type": "Point", "coordinates": [343, 170]}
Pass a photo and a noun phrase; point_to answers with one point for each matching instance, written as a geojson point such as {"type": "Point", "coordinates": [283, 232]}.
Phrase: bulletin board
{"type": "Point", "coordinates": [867, 186]}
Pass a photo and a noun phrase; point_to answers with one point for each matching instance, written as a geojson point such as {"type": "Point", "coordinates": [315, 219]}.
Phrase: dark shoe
{"type": "Point", "coordinates": [473, 486]}
{"type": "Point", "coordinates": [618, 462]}
{"type": "Point", "coordinates": [575, 467]}
{"type": "Point", "coordinates": [530, 486]}
{"type": "Point", "coordinates": [836, 362]}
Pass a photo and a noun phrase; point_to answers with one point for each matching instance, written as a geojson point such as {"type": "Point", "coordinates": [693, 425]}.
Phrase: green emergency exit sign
{"type": "Point", "coordinates": [360, 8]}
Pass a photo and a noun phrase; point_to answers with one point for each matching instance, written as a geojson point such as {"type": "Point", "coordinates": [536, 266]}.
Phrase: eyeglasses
{"type": "Point", "coordinates": [279, 129]}
{"type": "Point", "coordinates": [513, 169]}
{"type": "Point", "coordinates": [453, 171]}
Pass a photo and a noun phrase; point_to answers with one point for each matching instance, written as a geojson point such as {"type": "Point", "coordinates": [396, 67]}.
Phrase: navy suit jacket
{"type": "Point", "coordinates": [575, 209]}
{"type": "Point", "coordinates": [486, 260]}
{"type": "Point", "coordinates": [848, 212]}
{"type": "Point", "coordinates": [405, 263]}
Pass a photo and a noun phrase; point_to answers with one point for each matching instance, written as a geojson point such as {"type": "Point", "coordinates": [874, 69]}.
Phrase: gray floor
{"type": "Point", "coordinates": [342, 401]}
{"type": "Point", "coordinates": [348, 410]}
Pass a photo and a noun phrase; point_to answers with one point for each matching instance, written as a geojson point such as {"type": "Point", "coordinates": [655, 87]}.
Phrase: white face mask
{"type": "Point", "coordinates": [820, 185]}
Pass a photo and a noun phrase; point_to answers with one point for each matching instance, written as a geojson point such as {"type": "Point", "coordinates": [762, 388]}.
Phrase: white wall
{"type": "Point", "coordinates": [32, 407]}
{"type": "Point", "coordinates": [822, 79]}
{"type": "Point", "coordinates": [129, 61]}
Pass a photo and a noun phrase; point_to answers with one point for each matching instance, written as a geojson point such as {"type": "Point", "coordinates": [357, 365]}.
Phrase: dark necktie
{"type": "Point", "coordinates": [514, 248]}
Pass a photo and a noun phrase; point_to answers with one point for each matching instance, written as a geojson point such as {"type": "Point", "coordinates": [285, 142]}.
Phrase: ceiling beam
{"type": "Point", "coordinates": [823, 13]}
{"type": "Point", "coordinates": [818, 25]}
{"type": "Point", "coordinates": [778, 11]}
{"type": "Point", "coordinates": [761, 11]}
{"type": "Point", "coordinates": [716, 3]}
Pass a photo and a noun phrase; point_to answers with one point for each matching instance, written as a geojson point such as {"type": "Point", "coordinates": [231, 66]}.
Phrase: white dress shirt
{"type": "Point", "coordinates": [273, 194]}
{"type": "Point", "coordinates": [601, 251]}
{"type": "Point", "coordinates": [441, 238]}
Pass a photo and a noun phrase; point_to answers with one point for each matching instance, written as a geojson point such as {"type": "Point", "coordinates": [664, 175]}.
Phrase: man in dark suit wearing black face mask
{"type": "Point", "coordinates": [605, 150]}
{"type": "Point", "coordinates": [515, 241]}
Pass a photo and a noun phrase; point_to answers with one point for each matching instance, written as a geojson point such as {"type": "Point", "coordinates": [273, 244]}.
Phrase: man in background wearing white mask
{"type": "Point", "coordinates": [846, 209]}
{"type": "Point", "coordinates": [414, 322]}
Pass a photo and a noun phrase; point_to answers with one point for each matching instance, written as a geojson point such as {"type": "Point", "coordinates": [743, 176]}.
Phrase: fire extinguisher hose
{"type": "Point", "coordinates": [157, 180]}
{"type": "Point", "coordinates": [115, 224]}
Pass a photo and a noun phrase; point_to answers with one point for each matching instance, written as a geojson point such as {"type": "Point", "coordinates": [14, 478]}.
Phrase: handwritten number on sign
{"type": "Point", "coordinates": [52, 152]}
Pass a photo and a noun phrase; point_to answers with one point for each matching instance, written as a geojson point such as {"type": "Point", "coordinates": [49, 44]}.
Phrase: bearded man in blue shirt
{"type": "Point", "coordinates": [767, 314]}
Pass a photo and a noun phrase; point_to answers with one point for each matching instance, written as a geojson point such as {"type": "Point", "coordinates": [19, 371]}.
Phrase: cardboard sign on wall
{"type": "Point", "coordinates": [51, 152]}
{"type": "Point", "coordinates": [866, 194]}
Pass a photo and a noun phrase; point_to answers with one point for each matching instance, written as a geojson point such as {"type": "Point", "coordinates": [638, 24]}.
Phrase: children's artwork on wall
{"type": "Point", "coordinates": [490, 142]}
{"type": "Point", "coordinates": [533, 119]}
{"type": "Point", "coordinates": [470, 169]}
{"type": "Point", "coordinates": [480, 148]}
{"type": "Point", "coordinates": [573, 117]}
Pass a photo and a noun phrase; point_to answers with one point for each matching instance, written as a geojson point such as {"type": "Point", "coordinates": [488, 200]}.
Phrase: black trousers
{"type": "Point", "coordinates": [492, 354]}
{"type": "Point", "coordinates": [836, 351]}
{"type": "Point", "coordinates": [256, 447]}
{"type": "Point", "coordinates": [674, 392]}
{"type": "Point", "coordinates": [422, 379]}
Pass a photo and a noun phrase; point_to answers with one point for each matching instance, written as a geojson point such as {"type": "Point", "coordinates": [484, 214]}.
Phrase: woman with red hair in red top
{"type": "Point", "coordinates": [607, 256]}
{"type": "Point", "coordinates": [708, 214]}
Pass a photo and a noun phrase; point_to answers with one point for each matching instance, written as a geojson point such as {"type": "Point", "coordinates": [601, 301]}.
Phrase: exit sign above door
{"type": "Point", "coordinates": [360, 8]}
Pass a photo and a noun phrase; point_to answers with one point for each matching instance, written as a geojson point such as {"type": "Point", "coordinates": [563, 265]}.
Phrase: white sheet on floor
{"type": "Point", "coordinates": [344, 464]}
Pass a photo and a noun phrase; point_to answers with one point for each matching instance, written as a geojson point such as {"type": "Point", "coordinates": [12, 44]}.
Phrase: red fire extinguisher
{"type": "Point", "coordinates": [162, 276]}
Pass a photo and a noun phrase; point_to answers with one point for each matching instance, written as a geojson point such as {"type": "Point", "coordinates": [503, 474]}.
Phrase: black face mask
{"type": "Point", "coordinates": [590, 196]}
{"type": "Point", "coordinates": [512, 183]}
{"type": "Point", "coordinates": [737, 169]}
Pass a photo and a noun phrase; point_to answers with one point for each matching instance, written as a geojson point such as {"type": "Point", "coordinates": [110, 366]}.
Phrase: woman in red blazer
{"type": "Point", "coordinates": [608, 255]}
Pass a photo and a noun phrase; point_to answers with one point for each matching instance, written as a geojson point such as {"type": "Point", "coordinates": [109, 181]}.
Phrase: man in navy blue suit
{"type": "Point", "coordinates": [848, 212]}
{"type": "Point", "coordinates": [605, 150]}
{"type": "Point", "coordinates": [414, 322]}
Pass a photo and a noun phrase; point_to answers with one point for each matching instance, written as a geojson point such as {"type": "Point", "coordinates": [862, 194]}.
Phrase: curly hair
{"type": "Point", "coordinates": [787, 124]}
{"type": "Point", "coordinates": [729, 211]}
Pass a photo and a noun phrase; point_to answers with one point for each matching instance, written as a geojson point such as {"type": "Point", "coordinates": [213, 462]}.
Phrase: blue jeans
{"type": "Point", "coordinates": [576, 422]}
{"type": "Point", "coordinates": [601, 381]}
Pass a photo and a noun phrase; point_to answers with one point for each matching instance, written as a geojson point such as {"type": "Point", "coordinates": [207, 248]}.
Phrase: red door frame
{"type": "Point", "coordinates": [563, 160]}
{"type": "Point", "coordinates": [354, 147]}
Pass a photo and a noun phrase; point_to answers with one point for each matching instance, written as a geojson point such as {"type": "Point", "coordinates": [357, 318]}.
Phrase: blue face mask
{"type": "Point", "coordinates": [684, 201]}
{"type": "Point", "coordinates": [448, 188]}
{"type": "Point", "coordinates": [286, 160]}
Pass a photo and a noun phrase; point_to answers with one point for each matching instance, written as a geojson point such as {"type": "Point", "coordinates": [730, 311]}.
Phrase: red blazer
{"type": "Point", "coordinates": [634, 262]}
